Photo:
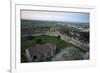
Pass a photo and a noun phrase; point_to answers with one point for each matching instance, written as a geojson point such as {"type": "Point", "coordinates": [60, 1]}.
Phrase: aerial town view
{"type": "Point", "coordinates": [54, 36]}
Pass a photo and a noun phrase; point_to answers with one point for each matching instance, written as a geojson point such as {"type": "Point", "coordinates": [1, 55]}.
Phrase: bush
{"type": "Point", "coordinates": [39, 41]}
{"type": "Point", "coordinates": [30, 37]}
{"type": "Point", "coordinates": [58, 36]}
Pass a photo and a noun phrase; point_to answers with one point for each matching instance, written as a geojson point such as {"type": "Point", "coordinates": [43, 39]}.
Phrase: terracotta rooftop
{"type": "Point", "coordinates": [41, 49]}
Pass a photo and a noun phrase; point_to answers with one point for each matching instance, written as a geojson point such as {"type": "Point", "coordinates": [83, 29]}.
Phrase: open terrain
{"type": "Point", "coordinates": [71, 39]}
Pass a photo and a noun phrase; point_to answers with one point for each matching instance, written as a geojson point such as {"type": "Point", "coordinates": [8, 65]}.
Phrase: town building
{"type": "Point", "coordinates": [40, 52]}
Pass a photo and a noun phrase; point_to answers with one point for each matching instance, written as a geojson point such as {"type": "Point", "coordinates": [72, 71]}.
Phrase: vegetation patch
{"type": "Point", "coordinates": [31, 41]}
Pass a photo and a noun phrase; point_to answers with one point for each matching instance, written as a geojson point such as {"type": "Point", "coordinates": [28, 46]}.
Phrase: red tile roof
{"type": "Point", "coordinates": [41, 49]}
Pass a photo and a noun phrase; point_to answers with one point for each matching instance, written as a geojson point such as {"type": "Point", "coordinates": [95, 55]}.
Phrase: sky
{"type": "Point", "coordinates": [55, 16]}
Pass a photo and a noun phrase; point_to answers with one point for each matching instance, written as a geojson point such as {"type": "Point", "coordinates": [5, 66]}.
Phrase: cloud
{"type": "Point", "coordinates": [55, 16]}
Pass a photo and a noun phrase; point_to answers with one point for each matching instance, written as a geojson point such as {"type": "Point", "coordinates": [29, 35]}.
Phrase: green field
{"type": "Point", "coordinates": [27, 42]}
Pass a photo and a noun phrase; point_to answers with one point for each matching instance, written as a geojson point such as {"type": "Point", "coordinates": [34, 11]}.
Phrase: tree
{"type": "Point", "coordinates": [59, 36]}
{"type": "Point", "coordinates": [30, 37]}
{"type": "Point", "coordinates": [39, 41]}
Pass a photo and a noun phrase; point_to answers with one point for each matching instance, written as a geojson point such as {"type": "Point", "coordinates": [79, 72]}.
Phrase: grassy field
{"type": "Point", "coordinates": [31, 42]}
{"type": "Point", "coordinates": [27, 42]}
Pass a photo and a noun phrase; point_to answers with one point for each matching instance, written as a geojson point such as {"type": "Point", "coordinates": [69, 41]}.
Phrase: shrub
{"type": "Point", "coordinates": [30, 37]}
{"type": "Point", "coordinates": [39, 41]}
{"type": "Point", "coordinates": [59, 36]}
